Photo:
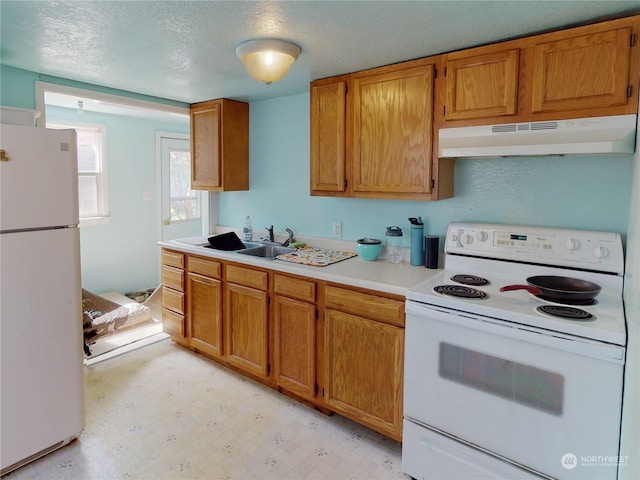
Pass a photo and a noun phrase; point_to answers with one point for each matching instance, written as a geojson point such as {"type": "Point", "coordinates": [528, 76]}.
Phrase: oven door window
{"type": "Point", "coordinates": [525, 384]}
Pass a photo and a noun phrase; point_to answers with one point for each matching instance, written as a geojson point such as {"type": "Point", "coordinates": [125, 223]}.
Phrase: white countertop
{"type": "Point", "coordinates": [378, 275]}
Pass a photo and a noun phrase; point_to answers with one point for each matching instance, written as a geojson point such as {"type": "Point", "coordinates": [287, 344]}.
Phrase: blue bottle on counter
{"type": "Point", "coordinates": [417, 241]}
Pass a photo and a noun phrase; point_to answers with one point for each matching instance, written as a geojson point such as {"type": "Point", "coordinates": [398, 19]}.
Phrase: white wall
{"type": "Point", "coordinates": [630, 469]}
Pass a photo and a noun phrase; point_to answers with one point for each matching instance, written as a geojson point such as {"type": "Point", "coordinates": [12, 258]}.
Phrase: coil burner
{"type": "Point", "coordinates": [473, 280]}
{"type": "Point", "coordinates": [569, 313]}
{"type": "Point", "coordinates": [460, 291]}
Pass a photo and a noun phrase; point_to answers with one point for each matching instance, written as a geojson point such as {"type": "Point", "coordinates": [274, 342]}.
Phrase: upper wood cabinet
{"type": "Point", "coordinates": [220, 145]}
{"type": "Point", "coordinates": [371, 134]}
{"type": "Point", "coordinates": [480, 86]}
{"type": "Point", "coordinates": [585, 71]}
{"type": "Point", "coordinates": [328, 137]}
{"type": "Point", "coordinates": [582, 72]}
{"type": "Point", "coordinates": [392, 115]}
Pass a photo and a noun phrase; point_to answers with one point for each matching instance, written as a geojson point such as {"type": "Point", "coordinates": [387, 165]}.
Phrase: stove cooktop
{"type": "Point", "coordinates": [603, 321]}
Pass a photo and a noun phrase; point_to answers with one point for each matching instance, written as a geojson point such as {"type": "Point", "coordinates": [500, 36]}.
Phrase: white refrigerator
{"type": "Point", "coordinates": [41, 345]}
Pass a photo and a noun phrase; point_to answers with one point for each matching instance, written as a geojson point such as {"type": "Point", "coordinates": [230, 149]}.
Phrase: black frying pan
{"type": "Point", "coordinates": [559, 289]}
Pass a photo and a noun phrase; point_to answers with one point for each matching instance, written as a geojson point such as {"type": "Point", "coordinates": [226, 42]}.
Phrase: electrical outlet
{"type": "Point", "coordinates": [337, 229]}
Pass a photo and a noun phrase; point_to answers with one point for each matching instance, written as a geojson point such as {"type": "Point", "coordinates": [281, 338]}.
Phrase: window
{"type": "Point", "coordinates": [185, 203]}
{"type": "Point", "coordinates": [92, 177]}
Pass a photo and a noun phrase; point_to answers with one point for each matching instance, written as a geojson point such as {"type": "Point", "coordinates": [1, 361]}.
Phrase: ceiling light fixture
{"type": "Point", "coordinates": [80, 106]}
{"type": "Point", "coordinates": [268, 59]}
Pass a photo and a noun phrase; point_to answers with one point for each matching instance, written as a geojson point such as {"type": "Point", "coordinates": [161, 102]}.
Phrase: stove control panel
{"type": "Point", "coordinates": [524, 241]}
{"type": "Point", "coordinates": [600, 251]}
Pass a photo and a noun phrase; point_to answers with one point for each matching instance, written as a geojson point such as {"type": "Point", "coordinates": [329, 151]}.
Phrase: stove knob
{"type": "Point", "coordinates": [480, 236]}
{"type": "Point", "coordinates": [600, 252]}
{"type": "Point", "coordinates": [572, 244]}
{"type": "Point", "coordinates": [467, 239]}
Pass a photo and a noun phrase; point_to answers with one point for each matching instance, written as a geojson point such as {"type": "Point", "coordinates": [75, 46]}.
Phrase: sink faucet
{"type": "Point", "coordinates": [270, 230]}
{"type": "Point", "coordinates": [289, 240]}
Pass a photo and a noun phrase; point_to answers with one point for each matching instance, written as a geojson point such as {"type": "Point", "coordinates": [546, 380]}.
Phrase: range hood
{"type": "Point", "coordinates": [578, 136]}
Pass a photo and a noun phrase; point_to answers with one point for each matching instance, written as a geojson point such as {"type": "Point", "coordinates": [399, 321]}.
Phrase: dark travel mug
{"type": "Point", "coordinates": [431, 243]}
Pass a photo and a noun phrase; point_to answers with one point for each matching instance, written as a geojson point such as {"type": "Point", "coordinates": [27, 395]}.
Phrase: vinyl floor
{"type": "Point", "coordinates": [163, 412]}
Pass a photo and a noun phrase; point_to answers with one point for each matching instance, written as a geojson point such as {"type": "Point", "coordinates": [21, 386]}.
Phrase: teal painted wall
{"type": "Point", "coordinates": [571, 192]}
{"type": "Point", "coordinates": [122, 255]}
{"type": "Point", "coordinates": [17, 88]}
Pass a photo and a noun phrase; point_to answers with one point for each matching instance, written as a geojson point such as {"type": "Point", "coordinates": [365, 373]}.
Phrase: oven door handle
{"type": "Point", "coordinates": [582, 346]}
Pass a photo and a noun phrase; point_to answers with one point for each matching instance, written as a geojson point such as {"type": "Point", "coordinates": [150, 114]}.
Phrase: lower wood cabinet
{"type": "Point", "coordinates": [204, 305]}
{"type": "Point", "coordinates": [266, 324]}
{"type": "Point", "coordinates": [246, 322]}
{"type": "Point", "coordinates": [294, 343]}
{"type": "Point", "coordinates": [363, 358]}
{"type": "Point", "coordinates": [173, 287]}
{"type": "Point", "coordinates": [363, 371]}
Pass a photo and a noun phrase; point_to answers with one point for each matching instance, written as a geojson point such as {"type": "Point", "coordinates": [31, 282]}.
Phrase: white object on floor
{"type": "Point", "coordinates": [138, 313]}
{"type": "Point", "coordinates": [129, 347]}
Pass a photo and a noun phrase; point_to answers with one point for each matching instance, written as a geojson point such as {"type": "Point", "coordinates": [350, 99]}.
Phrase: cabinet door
{"type": "Point", "coordinates": [295, 345]}
{"type": "Point", "coordinates": [246, 329]}
{"type": "Point", "coordinates": [584, 72]}
{"type": "Point", "coordinates": [205, 146]}
{"type": "Point", "coordinates": [482, 86]}
{"type": "Point", "coordinates": [363, 371]}
{"type": "Point", "coordinates": [204, 313]}
{"type": "Point", "coordinates": [328, 104]}
{"type": "Point", "coordinates": [393, 116]}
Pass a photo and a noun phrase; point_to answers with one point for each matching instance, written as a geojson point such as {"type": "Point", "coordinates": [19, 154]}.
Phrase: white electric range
{"type": "Point", "coordinates": [497, 385]}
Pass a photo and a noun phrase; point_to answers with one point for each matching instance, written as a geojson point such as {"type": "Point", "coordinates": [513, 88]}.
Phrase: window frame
{"type": "Point", "coordinates": [197, 195]}
{"type": "Point", "coordinates": [103, 216]}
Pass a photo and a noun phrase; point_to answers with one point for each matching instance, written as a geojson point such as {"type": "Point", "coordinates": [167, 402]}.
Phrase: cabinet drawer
{"type": "Point", "coordinates": [295, 288]}
{"type": "Point", "coordinates": [173, 259]}
{"type": "Point", "coordinates": [173, 300]}
{"type": "Point", "coordinates": [173, 278]}
{"type": "Point", "coordinates": [172, 323]}
{"type": "Point", "coordinates": [247, 277]}
{"type": "Point", "coordinates": [204, 266]}
{"type": "Point", "coordinates": [367, 305]}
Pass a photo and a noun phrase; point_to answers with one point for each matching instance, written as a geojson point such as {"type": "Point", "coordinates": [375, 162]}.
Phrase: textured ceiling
{"type": "Point", "coordinates": [184, 50]}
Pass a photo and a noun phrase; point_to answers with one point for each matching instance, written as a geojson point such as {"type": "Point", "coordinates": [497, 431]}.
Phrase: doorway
{"type": "Point", "coordinates": [119, 254]}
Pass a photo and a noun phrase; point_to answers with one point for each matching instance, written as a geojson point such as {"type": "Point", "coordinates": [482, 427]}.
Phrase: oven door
{"type": "Point", "coordinates": [548, 402]}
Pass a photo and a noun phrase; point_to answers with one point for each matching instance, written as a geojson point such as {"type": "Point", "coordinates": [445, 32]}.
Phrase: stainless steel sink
{"type": "Point", "coordinates": [251, 244]}
{"type": "Point", "coordinates": [246, 245]}
{"type": "Point", "coordinates": [266, 251]}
